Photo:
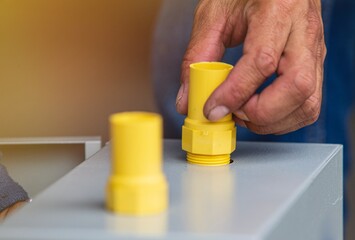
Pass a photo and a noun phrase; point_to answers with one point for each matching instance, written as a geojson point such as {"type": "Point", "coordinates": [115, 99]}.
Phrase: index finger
{"type": "Point", "coordinates": [268, 31]}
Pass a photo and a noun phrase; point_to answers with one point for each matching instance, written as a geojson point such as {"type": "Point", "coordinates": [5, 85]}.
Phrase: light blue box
{"type": "Point", "coordinates": [274, 191]}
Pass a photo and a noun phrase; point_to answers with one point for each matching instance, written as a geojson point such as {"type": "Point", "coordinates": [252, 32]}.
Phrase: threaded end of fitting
{"type": "Point", "coordinates": [208, 160]}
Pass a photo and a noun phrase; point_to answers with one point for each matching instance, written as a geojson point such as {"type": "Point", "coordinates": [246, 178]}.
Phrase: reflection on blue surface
{"type": "Point", "coordinates": [209, 188]}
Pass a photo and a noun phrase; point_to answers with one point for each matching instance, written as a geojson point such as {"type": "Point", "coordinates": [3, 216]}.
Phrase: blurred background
{"type": "Point", "coordinates": [66, 65]}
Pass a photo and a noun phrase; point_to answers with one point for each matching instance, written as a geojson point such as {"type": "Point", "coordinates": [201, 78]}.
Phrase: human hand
{"type": "Point", "coordinates": [279, 36]}
{"type": "Point", "coordinates": [8, 211]}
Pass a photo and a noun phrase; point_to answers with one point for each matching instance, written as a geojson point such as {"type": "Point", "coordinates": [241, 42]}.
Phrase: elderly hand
{"type": "Point", "coordinates": [282, 36]}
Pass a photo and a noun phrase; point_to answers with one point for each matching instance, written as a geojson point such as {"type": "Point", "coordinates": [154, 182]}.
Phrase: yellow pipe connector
{"type": "Point", "coordinates": [137, 185]}
{"type": "Point", "coordinates": [207, 143]}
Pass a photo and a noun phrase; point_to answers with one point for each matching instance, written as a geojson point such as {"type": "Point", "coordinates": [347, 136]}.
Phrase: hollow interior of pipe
{"type": "Point", "coordinates": [134, 117]}
{"type": "Point", "coordinates": [211, 66]}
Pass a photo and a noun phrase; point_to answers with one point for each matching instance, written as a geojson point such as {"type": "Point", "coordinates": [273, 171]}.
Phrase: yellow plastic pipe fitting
{"type": "Point", "coordinates": [207, 143]}
{"type": "Point", "coordinates": [136, 185]}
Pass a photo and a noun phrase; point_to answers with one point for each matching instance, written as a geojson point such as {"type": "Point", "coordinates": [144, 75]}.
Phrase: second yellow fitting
{"type": "Point", "coordinates": [137, 185]}
{"type": "Point", "coordinates": [206, 142]}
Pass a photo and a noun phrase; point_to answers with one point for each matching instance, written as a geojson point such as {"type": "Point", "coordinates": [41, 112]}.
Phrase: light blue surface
{"type": "Point", "coordinates": [270, 191]}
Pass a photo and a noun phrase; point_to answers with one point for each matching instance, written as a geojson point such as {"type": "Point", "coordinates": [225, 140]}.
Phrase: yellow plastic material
{"type": "Point", "coordinates": [207, 143]}
{"type": "Point", "coordinates": [137, 185]}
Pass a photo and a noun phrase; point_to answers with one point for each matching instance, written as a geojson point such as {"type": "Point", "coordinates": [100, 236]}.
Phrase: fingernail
{"type": "Point", "coordinates": [218, 113]}
{"type": "Point", "coordinates": [239, 122]}
{"type": "Point", "coordinates": [241, 115]}
{"type": "Point", "coordinates": [179, 95]}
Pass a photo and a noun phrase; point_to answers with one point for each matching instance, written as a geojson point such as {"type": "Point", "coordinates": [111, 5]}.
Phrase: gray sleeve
{"type": "Point", "coordinates": [10, 191]}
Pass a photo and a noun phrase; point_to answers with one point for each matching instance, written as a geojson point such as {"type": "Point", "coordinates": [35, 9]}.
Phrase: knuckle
{"type": "Point", "coordinates": [305, 83]}
{"type": "Point", "coordinates": [251, 8]}
{"type": "Point", "coordinates": [311, 109]}
{"type": "Point", "coordinates": [314, 18]}
{"type": "Point", "coordinates": [286, 5]}
{"type": "Point", "coordinates": [210, 10]}
{"type": "Point", "coordinates": [266, 61]}
{"type": "Point", "coordinates": [314, 23]}
{"type": "Point", "coordinates": [201, 8]}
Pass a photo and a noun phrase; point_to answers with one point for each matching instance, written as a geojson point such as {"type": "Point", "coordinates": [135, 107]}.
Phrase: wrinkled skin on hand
{"type": "Point", "coordinates": [280, 36]}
